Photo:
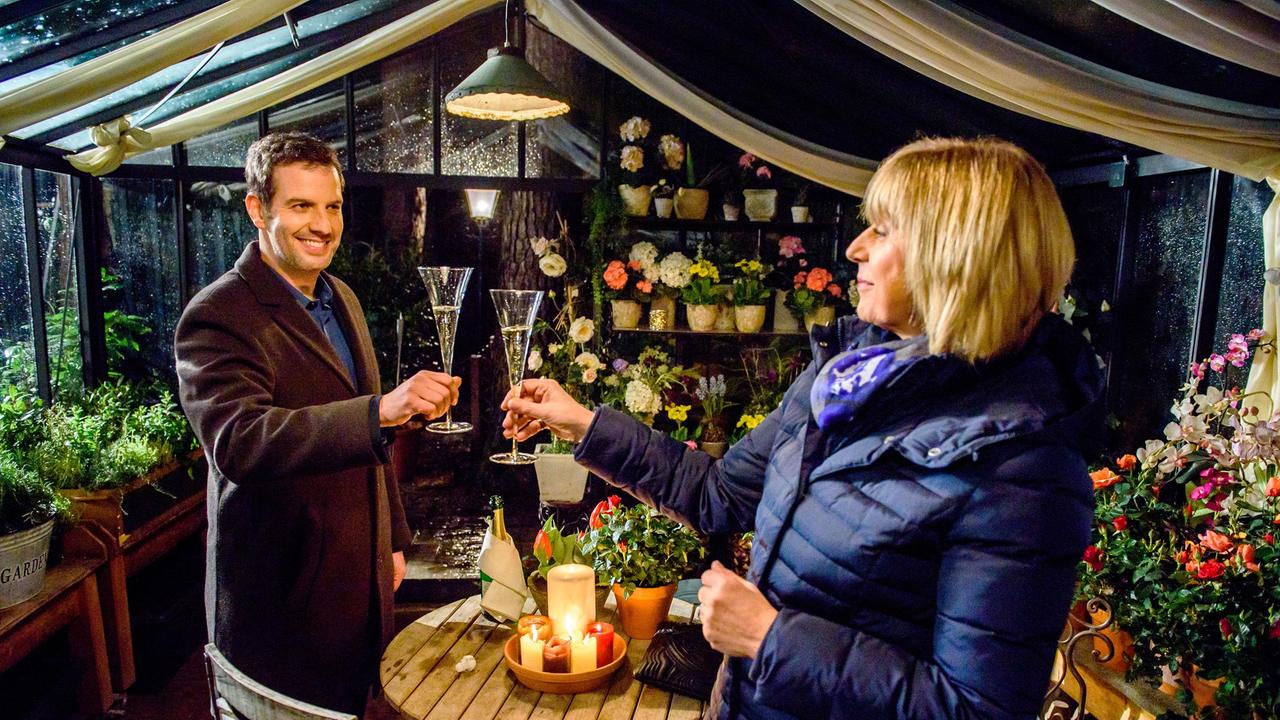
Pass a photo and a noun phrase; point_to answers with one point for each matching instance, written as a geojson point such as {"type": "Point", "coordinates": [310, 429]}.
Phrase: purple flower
{"type": "Point", "coordinates": [1197, 371]}
{"type": "Point", "coordinates": [1217, 363]}
{"type": "Point", "coordinates": [620, 365]}
{"type": "Point", "coordinates": [1202, 492]}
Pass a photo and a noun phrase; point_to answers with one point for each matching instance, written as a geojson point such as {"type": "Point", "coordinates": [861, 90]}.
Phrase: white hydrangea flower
{"type": "Point", "coordinates": [640, 399]}
{"type": "Point", "coordinates": [672, 151]}
{"type": "Point", "coordinates": [582, 330]}
{"type": "Point", "coordinates": [631, 158]}
{"type": "Point", "coordinates": [644, 253]}
{"type": "Point", "coordinates": [674, 270]}
{"type": "Point", "coordinates": [635, 128]}
{"type": "Point", "coordinates": [552, 265]}
{"type": "Point", "coordinates": [535, 360]}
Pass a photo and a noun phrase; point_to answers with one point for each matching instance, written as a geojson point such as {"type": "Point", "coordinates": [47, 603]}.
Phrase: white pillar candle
{"type": "Point", "coordinates": [571, 599]}
{"type": "Point", "coordinates": [531, 650]}
{"type": "Point", "coordinates": [582, 655]}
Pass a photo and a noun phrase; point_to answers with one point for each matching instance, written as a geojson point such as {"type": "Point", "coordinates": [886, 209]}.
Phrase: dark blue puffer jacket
{"type": "Point", "coordinates": [922, 556]}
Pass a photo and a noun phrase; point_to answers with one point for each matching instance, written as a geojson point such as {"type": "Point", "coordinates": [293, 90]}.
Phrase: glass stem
{"type": "Point", "coordinates": [448, 417]}
{"type": "Point", "coordinates": [515, 449]}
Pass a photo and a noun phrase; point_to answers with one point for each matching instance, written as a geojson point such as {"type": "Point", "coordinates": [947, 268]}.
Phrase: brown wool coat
{"type": "Point", "coordinates": [302, 516]}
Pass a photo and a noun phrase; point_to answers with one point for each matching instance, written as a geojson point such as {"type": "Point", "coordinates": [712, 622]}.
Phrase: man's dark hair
{"type": "Point", "coordinates": [285, 148]}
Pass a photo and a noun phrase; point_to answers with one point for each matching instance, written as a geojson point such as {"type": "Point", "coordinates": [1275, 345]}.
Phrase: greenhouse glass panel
{"type": "Point", "coordinates": [226, 146]}
{"type": "Point", "coordinates": [467, 146]}
{"type": "Point", "coordinates": [56, 216]}
{"type": "Point", "coordinates": [17, 343]}
{"type": "Point", "coordinates": [69, 22]}
{"type": "Point", "coordinates": [1166, 279]}
{"type": "Point", "coordinates": [1240, 302]}
{"type": "Point", "coordinates": [159, 156]}
{"type": "Point", "coordinates": [218, 228]}
{"type": "Point", "coordinates": [142, 257]}
{"type": "Point", "coordinates": [567, 146]}
{"type": "Point", "coordinates": [1096, 215]}
{"type": "Point", "coordinates": [321, 112]}
{"type": "Point", "coordinates": [394, 116]}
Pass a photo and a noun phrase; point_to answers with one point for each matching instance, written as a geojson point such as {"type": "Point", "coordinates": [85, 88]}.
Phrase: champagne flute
{"type": "Point", "coordinates": [446, 289]}
{"type": "Point", "coordinates": [517, 310]}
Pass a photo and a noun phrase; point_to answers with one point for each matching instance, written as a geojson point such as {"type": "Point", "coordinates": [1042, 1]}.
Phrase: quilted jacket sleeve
{"type": "Point", "coordinates": [709, 495]}
{"type": "Point", "coordinates": [1005, 584]}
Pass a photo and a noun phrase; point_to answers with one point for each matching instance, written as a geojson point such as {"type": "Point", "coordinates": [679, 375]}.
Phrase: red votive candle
{"type": "Point", "coordinates": [603, 633]}
{"type": "Point", "coordinates": [555, 655]}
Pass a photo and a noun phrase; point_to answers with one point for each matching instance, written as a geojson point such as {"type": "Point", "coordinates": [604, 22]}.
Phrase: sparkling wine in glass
{"type": "Point", "coordinates": [446, 288]}
{"type": "Point", "coordinates": [517, 311]}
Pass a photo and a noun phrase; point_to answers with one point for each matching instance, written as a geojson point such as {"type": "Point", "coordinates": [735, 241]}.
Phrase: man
{"type": "Point", "coordinates": [277, 375]}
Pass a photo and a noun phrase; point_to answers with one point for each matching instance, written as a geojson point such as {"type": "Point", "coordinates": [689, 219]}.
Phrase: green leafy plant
{"type": "Point", "coordinates": [639, 546]}
{"type": "Point", "coordinates": [26, 500]}
{"type": "Point", "coordinates": [748, 283]}
{"type": "Point", "coordinates": [552, 547]}
{"type": "Point", "coordinates": [701, 289]}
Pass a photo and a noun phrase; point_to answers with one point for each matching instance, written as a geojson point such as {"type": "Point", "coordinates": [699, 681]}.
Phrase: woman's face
{"type": "Point", "coordinates": [882, 284]}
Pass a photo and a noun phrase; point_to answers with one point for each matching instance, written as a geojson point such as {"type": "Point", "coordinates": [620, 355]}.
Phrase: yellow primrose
{"type": "Point", "coordinates": [678, 413]}
{"type": "Point", "coordinates": [750, 421]}
{"type": "Point", "coordinates": [704, 268]}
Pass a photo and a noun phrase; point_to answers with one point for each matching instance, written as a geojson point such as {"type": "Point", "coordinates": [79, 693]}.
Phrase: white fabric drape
{"type": "Point", "coordinates": [1226, 29]}
{"type": "Point", "coordinates": [1264, 374]}
{"type": "Point", "coordinates": [959, 49]}
{"type": "Point", "coordinates": [107, 73]}
{"type": "Point", "coordinates": [376, 45]}
{"type": "Point", "coordinates": [830, 167]}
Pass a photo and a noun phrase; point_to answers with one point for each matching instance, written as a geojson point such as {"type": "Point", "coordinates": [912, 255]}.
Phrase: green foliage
{"type": "Point", "coordinates": [703, 287]}
{"type": "Point", "coordinates": [640, 547]}
{"type": "Point", "coordinates": [25, 500]}
{"type": "Point", "coordinates": [748, 283]}
{"type": "Point", "coordinates": [551, 547]}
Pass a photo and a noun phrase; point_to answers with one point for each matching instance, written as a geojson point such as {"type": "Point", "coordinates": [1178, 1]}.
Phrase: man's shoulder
{"type": "Point", "coordinates": [228, 296]}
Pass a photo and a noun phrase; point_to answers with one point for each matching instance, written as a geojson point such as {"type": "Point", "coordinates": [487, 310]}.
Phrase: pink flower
{"type": "Point", "coordinates": [692, 445]}
{"type": "Point", "coordinates": [763, 173]}
{"type": "Point", "coordinates": [746, 161]}
{"type": "Point", "coordinates": [804, 263]}
{"type": "Point", "coordinates": [1197, 371]}
{"type": "Point", "coordinates": [834, 289]}
{"type": "Point", "coordinates": [1237, 358]}
{"type": "Point", "coordinates": [1216, 541]}
{"type": "Point", "coordinates": [1255, 334]}
{"type": "Point", "coordinates": [799, 279]}
{"type": "Point", "coordinates": [790, 246]}
{"type": "Point", "coordinates": [1217, 363]}
{"type": "Point", "coordinates": [1202, 492]}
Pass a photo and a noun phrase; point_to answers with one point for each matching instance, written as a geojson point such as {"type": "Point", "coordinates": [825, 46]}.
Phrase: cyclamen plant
{"type": "Point", "coordinates": [1184, 544]}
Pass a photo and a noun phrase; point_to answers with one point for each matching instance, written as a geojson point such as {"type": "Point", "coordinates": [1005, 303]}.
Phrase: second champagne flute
{"type": "Point", "coordinates": [517, 310]}
{"type": "Point", "coordinates": [446, 289]}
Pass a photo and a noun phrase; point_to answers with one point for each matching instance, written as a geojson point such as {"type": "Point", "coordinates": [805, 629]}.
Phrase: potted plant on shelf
{"type": "Point", "coordinates": [643, 554]}
{"type": "Point", "coordinates": [800, 204]}
{"type": "Point", "coordinates": [711, 393]}
{"type": "Point", "coordinates": [679, 414]}
{"type": "Point", "coordinates": [28, 508]}
{"type": "Point", "coordinates": [749, 295]}
{"type": "Point", "coordinates": [551, 547]}
{"type": "Point", "coordinates": [625, 287]}
{"type": "Point", "coordinates": [701, 297]}
{"type": "Point", "coordinates": [664, 198]}
{"type": "Point", "coordinates": [791, 259]}
{"type": "Point", "coordinates": [671, 277]}
{"type": "Point", "coordinates": [1184, 542]}
{"type": "Point", "coordinates": [814, 295]}
{"type": "Point", "coordinates": [633, 187]}
{"type": "Point", "coordinates": [760, 201]}
{"type": "Point", "coordinates": [636, 388]}
{"type": "Point", "coordinates": [693, 198]}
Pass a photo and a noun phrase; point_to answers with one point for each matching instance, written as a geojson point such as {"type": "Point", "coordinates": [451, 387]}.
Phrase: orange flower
{"type": "Point", "coordinates": [1215, 541]}
{"type": "Point", "coordinates": [615, 276]}
{"type": "Point", "coordinates": [1126, 462]}
{"type": "Point", "coordinates": [1247, 557]}
{"type": "Point", "coordinates": [1273, 486]}
{"type": "Point", "coordinates": [818, 280]}
{"type": "Point", "coordinates": [1104, 478]}
{"type": "Point", "coordinates": [634, 264]}
{"type": "Point", "coordinates": [644, 286]}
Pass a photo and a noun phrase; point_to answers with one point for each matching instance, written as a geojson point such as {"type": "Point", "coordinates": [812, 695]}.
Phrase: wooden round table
{"type": "Point", "coordinates": [419, 680]}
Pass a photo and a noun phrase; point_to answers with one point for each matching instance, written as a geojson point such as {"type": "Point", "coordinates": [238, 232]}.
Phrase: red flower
{"type": "Point", "coordinates": [1104, 478]}
{"type": "Point", "coordinates": [604, 507]}
{"type": "Point", "coordinates": [542, 543]}
{"type": "Point", "coordinates": [1273, 486]}
{"type": "Point", "coordinates": [622, 546]}
{"type": "Point", "coordinates": [1224, 625]}
{"type": "Point", "coordinates": [1210, 569]}
{"type": "Point", "coordinates": [1126, 462]}
{"type": "Point", "coordinates": [1269, 539]}
{"type": "Point", "coordinates": [1215, 541]}
{"type": "Point", "coordinates": [1274, 632]}
{"type": "Point", "coordinates": [1120, 523]}
{"type": "Point", "coordinates": [1093, 556]}
{"type": "Point", "coordinates": [1248, 557]}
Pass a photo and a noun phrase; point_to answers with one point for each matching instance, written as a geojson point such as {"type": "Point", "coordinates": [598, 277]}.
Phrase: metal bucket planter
{"type": "Point", "coordinates": [23, 556]}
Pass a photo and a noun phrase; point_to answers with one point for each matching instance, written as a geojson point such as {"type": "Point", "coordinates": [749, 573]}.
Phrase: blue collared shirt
{"type": "Point", "coordinates": [321, 310]}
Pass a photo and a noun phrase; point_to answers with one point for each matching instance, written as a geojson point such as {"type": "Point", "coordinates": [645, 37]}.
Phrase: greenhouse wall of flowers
{"type": "Point", "coordinates": [687, 222]}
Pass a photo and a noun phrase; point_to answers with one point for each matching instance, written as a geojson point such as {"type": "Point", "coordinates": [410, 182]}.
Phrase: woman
{"type": "Point", "coordinates": [919, 499]}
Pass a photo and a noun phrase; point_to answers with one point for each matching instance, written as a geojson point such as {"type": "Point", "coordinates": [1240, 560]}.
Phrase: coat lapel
{"type": "Point", "coordinates": [347, 309]}
{"type": "Point", "coordinates": [271, 292]}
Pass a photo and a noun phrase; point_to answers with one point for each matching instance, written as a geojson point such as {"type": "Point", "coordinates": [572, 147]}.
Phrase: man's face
{"type": "Point", "coordinates": [301, 230]}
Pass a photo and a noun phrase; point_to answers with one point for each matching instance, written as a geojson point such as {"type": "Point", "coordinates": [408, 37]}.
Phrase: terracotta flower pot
{"type": "Point", "coordinates": [702, 318]}
{"type": "Point", "coordinates": [626, 314]}
{"type": "Point", "coordinates": [635, 199]}
{"type": "Point", "coordinates": [691, 203]}
{"type": "Point", "coordinates": [644, 610]}
{"type": "Point", "coordinates": [1121, 641]}
{"type": "Point", "coordinates": [1202, 691]}
{"type": "Point", "coordinates": [749, 318]}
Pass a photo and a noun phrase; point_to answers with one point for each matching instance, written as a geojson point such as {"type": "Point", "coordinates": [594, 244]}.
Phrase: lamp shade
{"type": "Point", "coordinates": [506, 87]}
{"type": "Point", "coordinates": [481, 203]}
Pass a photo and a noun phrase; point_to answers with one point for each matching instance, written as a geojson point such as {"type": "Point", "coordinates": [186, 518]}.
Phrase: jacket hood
{"type": "Point", "coordinates": [936, 410]}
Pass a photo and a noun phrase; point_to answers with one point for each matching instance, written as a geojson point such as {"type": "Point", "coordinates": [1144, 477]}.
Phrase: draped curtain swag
{"type": "Point", "coordinates": [105, 74]}
{"type": "Point", "coordinates": [1264, 374]}
{"type": "Point", "coordinates": [122, 142]}
{"type": "Point", "coordinates": [957, 48]}
{"type": "Point", "coordinates": [833, 168]}
{"type": "Point", "coordinates": [1230, 30]}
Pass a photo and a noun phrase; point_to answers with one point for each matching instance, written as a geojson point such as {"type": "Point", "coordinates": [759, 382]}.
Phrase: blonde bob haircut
{"type": "Point", "coordinates": [987, 249]}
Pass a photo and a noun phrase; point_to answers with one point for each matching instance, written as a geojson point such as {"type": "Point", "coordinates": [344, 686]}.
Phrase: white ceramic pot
{"type": "Point", "coordinates": [799, 213]}
{"type": "Point", "coordinates": [783, 319]}
{"type": "Point", "coordinates": [662, 207]}
{"type": "Point", "coordinates": [626, 314]}
{"type": "Point", "coordinates": [560, 479]}
{"type": "Point", "coordinates": [749, 318]}
{"type": "Point", "coordinates": [760, 205]}
{"type": "Point", "coordinates": [730, 211]}
{"type": "Point", "coordinates": [702, 318]}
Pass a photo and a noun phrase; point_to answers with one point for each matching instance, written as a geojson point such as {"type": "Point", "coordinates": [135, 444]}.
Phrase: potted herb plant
{"type": "Point", "coordinates": [749, 295]}
{"type": "Point", "coordinates": [701, 296]}
{"type": "Point", "coordinates": [643, 554]}
{"type": "Point", "coordinates": [28, 508]}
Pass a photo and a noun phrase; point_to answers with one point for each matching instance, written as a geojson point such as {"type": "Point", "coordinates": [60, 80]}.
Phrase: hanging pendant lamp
{"type": "Point", "coordinates": [506, 87]}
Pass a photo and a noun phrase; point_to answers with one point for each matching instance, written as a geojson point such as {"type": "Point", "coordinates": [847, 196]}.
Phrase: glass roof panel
{"type": "Point", "coordinates": [69, 22]}
{"type": "Point", "coordinates": [131, 98]}
{"type": "Point", "coordinates": [54, 68]}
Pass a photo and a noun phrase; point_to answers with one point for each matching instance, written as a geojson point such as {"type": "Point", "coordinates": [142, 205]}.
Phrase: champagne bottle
{"type": "Point", "coordinates": [499, 520]}
{"type": "Point", "coordinates": [502, 585]}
